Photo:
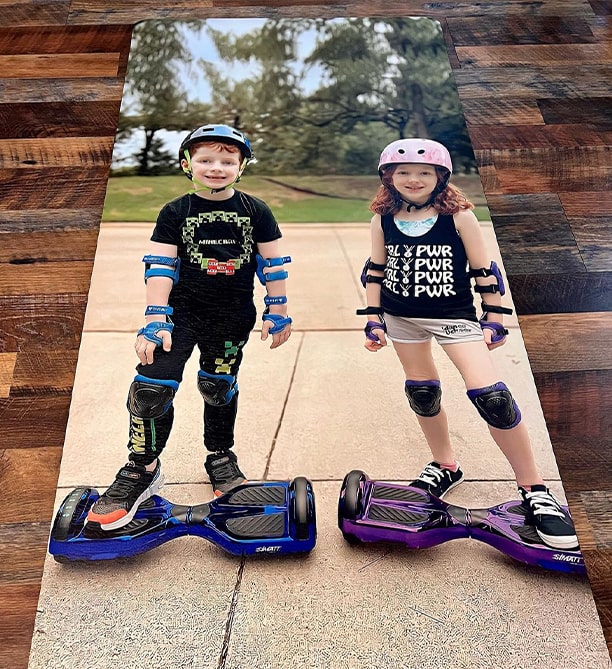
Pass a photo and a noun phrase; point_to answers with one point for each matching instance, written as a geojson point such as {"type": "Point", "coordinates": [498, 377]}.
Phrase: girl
{"type": "Point", "coordinates": [424, 239]}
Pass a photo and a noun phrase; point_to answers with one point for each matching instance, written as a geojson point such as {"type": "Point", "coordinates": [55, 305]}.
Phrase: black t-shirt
{"type": "Point", "coordinates": [216, 242]}
{"type": "Point", "coordinates": [426, 276]}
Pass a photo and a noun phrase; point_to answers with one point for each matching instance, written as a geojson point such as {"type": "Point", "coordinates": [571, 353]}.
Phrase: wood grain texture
{"type": "Point", "coordinates": [533, 78]}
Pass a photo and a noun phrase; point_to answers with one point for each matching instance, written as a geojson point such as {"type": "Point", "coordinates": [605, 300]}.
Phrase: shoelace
{"type": "Point", "coordinates": [544, 503]}
{"type": "Point", "coordinates": [431, 475]}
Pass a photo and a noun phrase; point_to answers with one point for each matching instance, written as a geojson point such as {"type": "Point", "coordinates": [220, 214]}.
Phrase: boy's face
{"type": "Point", "coordinates": [214, 167]}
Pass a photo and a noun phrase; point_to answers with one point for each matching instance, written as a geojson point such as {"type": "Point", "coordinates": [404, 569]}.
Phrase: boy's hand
{"type": "Point", "coordinates": [146, 348]}
{"type": "Point", "coordinates": [488, 335]}
{"type": "Point", "coordinates": [279, 338]}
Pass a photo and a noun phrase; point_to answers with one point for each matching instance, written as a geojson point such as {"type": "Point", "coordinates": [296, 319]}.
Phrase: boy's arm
{"type": "Point", "coordinates": [276, 291]}
{"type": "Point", "coordinates": [157, 293]}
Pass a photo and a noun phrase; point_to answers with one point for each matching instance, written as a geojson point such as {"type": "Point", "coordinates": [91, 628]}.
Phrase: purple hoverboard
{"type": "Point", "coordinates": [371, 511]}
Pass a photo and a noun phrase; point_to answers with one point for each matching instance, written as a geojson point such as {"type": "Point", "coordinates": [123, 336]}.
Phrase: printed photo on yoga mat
{"type": "Point", "coordinates": [396, 534]}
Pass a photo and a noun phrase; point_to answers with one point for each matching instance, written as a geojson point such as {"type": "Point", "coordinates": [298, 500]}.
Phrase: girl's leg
{"type": "Point", "coordinates": [419, 365]}
{"type": "Point", "coordinates": [474, 363]}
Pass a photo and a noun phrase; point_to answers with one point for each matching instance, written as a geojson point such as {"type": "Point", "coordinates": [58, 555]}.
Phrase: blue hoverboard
{"type": "Point", "coordinates": [254, 518]}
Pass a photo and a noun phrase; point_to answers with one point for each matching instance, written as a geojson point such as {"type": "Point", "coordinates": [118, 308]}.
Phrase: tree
{"type": "Point", "coordinates": [155, 98]}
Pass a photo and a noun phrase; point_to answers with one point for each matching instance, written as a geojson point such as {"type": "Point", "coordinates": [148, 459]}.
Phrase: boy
{"type": "Point", "coordinates": [205, 250]}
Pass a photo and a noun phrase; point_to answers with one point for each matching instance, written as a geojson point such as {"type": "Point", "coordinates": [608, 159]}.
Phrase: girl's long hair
{"type": "Point", "coordinates": [388, 201]}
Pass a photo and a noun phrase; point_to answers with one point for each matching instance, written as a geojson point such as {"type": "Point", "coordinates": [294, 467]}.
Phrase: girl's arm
{"type": "Point", "coordinates": [275, 289]}
{"type": "Point", "coordinates": [378, 256]}
{"type": "Point", "coordinates": [157, 293]}
{"type": "Point", "coordinates": [469, 230]}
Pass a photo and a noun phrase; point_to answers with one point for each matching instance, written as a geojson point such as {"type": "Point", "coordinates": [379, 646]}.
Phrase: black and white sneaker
{"type": "Point", "coordinates": [438, 480]}
{"type": "Point", "coordinates": [131, 487]}
{"type": "Point", "coordinates": [223, 471]}
{"type": "Point", "coordinates": [553, 525]}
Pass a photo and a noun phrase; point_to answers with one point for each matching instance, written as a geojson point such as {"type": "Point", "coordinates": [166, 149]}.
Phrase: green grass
{"type": "Point", "coordinates": [136, 199]}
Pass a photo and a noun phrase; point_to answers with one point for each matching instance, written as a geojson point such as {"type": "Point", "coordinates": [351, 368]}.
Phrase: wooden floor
{"type": "Point", "coordinates": [534, 80]}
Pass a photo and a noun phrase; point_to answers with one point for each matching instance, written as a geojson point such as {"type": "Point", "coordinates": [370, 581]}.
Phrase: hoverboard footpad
{"type": "Point", "coordinates": [265, 527]}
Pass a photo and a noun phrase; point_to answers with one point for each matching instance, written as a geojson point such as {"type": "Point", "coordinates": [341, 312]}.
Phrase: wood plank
{"type": "Point", "coordinates": [35, 421]}
{"type": "Point", "coordinates": [582, 204]}
{"type": "Point", "coordinates": [551, 170]}
{"type": "Point", "coordinates": [592, 111]}
{"type": "Point", "coordinates": [56, 152]}
{"type": "Point", "coordinates": [84, 12]}
{"type": "Point", "coordinates": [554, 345]}
{"type": "Point", "coordinates": [44, 371]}
{"type": "Point", "coordinates": [560, 81]}
{"type": "Point", "coordinates": [579, 458]}
{"type": "Point", "coordinates": [59, 245]}
{"type": "Point", "coordinates": [519, 30]}
{"type": "Point", "coordinates": [542, 56]}
{"type": "Point", "coordinates": [43, 278]}
{"type": "Point", "coordinates": [58, 221]}
{"type": "Point", "coordinates": [534, 136]}
{"type": "Point", "coordinates": [30, 322]}
{"type": "Point", "coordinates": [7, 367]}
{"type": "Point", "coordinates": [64, 188]}
{"type": "Point", "coordinates": [57, 119]}
{"type": "Point", "coordinates": [19, 604]}
{"type": "Point", "coordinates": [560, 293]}
{"type": "Point", "coordinates": [594, 239]}
{"type": "Point", "coordinates": [47, 12]}
{"type": "Point", "coordinates": [577, 403]}
{"type": "Point", "coordinates": [33, 468]}
{"type": "Point", "coordinates": [86, 89]}
{"type": "Point", "coordinates": [48, 39]}
{"type": "Point", "coordinates": [60, 66]}
{"type": "Point", "coordinates": [506, 111]}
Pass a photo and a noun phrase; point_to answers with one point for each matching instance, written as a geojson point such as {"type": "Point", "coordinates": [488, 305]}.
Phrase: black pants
{"type": "Point", "coordinates": [220, 336]}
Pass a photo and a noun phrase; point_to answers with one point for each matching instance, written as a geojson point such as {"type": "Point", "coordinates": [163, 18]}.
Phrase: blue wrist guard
{"type": "Point", "coordinates": [277, 299]}
{"type": "Point", "coordinates": [279, 322]}
{"type": "Point", "coordinates": [156, 310]}
{"type": "Point", "coordinates": [170, 271]}
{"type": "Point", "coordinates": [262, 263]}
{"type": "Point", "coordinates": [150, 330]}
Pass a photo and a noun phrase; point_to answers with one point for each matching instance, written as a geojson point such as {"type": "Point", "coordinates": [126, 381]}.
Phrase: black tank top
{"type": "Point", "coordinates": [426, 276]}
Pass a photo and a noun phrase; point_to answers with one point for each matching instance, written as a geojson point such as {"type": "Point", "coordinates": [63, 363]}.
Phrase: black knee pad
{"type": "Point", "coordinates": [424, 397]}
{"type": "Point", "coordinates": [217, 389]}
{"type": "Point", "coordinates": [150, 398]}
{"type": "Point", "coordinates": [496, 405]}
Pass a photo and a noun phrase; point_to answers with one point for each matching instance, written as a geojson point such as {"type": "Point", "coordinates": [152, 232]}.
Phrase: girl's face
{"type": "Point", "coordinates": [213, 167]}
{"type": "Point", "coordinates": [414, 181]}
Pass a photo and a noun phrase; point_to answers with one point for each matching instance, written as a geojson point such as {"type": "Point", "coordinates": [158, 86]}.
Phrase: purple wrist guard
{"type": "Point", "coordinates": [373, 325]}
{"type": "Point", "coordinates": [499, 331]}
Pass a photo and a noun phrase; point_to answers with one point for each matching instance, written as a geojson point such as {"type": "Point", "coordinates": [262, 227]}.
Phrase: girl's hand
{"type": "Point", "coordinates": [375, 335]}
{"type": "Point", "coordinates": [146, 348]}
{"type": "Point", "coordinates": [488, 334]}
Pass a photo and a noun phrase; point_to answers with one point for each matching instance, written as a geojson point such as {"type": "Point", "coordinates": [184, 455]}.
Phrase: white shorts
{"type": "Point", "coordinates": [419, 330]}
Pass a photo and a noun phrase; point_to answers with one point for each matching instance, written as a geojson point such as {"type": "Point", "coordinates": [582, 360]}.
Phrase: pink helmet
{"type": "Point", "coordinates": [424, 151]}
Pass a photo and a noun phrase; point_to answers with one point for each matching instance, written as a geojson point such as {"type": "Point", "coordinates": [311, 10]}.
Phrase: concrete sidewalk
{"type": "Point", "coordinates": [318, 406]}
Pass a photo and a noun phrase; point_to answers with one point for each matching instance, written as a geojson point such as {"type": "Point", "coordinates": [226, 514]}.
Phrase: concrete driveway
{"type": "Point", "coordinates": [319, 406]}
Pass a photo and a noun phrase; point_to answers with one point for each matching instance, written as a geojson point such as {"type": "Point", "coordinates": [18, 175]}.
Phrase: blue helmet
{"type": "Point", "coordinates": [220, 133]}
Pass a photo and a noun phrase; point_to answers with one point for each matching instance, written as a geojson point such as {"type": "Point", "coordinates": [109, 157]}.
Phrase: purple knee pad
{"type": "Point", "coordinates": [496, 405]}
{"type": "Point", "coordinates": [424, 397]}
